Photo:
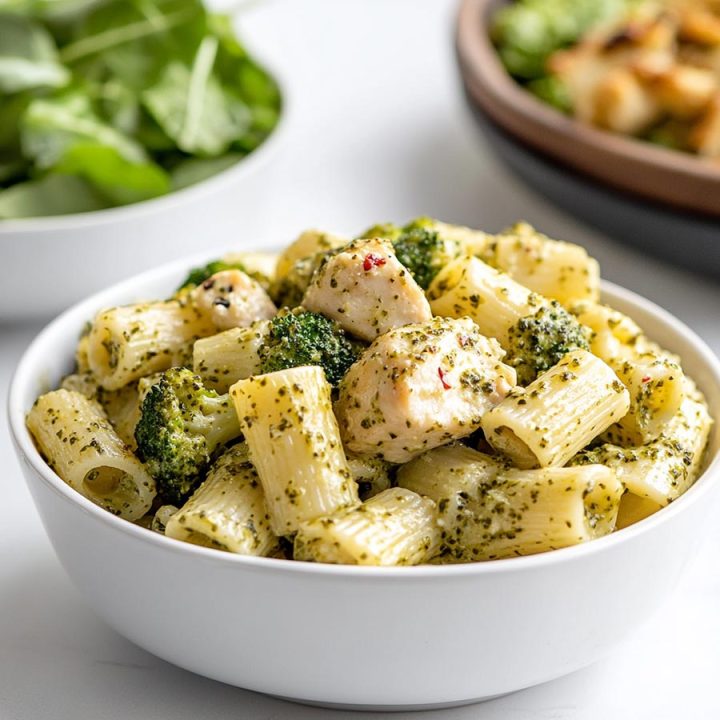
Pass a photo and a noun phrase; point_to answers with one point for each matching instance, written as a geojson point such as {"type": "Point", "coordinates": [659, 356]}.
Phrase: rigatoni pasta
{"type": "Point", "coordinates": [546, 423]}
{"type": "Point", "coordinates": [395, 527]}
{"type": "Point", "coordinates": [372, 475]}
{"type": "Point", "coordinates": [495, 302]}
{"type": "Point", "coordinates": [308, 243]}
{"type": "Point", "coordinates": [80, 444]}
{"type": "Point", "coordinates": [130, 342]}
{"type": "Point", "coordinates": [121, 406]}
{"type": "Point", "coordinates": [664, 469]}
{"type": "Point", "coordinates": [653, 377]}
{"type": "Point", "coordinates": [488, 510]}
{"type": "Point", "coordinates": [228, 510]}
{"type": "Point", "coordinates": [223, 359]}
{"type": "Point", "coordinates": [656, 393]}
{"type": "Point", "coordinates": [558, 270]}
{"type": "Point", "coordinates": [425, 393]}
{"type": "Point", "coordinates": [294, 442]}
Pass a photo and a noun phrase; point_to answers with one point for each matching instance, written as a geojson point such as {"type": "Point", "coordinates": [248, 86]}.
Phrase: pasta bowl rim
{"type": "Point", "coordinates": [11, 228]}
{"type": "Point", "coordinates": [29, 374]}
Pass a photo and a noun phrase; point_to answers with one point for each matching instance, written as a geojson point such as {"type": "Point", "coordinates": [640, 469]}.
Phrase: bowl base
{"type": "Point", "coordinates": [390, 708]}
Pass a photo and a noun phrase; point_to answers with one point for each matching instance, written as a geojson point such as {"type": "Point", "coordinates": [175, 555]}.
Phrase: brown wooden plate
{"type": "Point", "coordinates": [623, 163]}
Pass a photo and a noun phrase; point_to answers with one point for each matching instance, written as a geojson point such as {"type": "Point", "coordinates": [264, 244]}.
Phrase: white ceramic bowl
{"type": "Point", "coordinates": [48, 263]}
{"type": "Point", "coordinates": [371, 637]}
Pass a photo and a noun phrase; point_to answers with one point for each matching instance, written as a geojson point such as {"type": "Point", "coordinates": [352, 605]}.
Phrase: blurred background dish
{"type": "Point", "coordinates": [107, 103]}
{"type": "Point", "coordinates": [662, 200]}
{"type": "Point", "coordinates": [157, 108]}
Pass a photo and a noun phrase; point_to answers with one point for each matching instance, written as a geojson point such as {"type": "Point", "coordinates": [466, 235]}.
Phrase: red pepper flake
{"type": "Point", "coordinates": [372, 260]}
{"type": "Point", "coordinates": [646, 379]}
{"type": "Point", "coordinates": [446, 385]}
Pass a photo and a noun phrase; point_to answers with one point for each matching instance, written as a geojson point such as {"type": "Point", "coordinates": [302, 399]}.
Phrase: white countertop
{"type": "Point", "coordinates": [378, 131]}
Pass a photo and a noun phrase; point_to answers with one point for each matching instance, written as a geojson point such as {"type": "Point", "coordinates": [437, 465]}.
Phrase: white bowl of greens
{"type": "Point", "coordinates": [129, 133]}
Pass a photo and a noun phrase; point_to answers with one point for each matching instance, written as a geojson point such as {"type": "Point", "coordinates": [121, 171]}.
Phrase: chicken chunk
{"type": "Point", "coordinates": [705, 138]}
{"type": "Point", "coordinates": [683, 91]}
{"type": "Point", "coordinates": [367, 290]}
{"type": "Point", "coordinates": [623, 104]}
{"type": "Point", "coordinates": [700, 26]}
{"type": "Point", "coordinates": [421, 386]}
{"type": "Point", "coordinates": [233, 299]}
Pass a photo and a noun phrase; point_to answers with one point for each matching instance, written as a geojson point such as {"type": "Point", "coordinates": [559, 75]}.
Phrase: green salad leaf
{"type": "Point", "coordinates": [133, 41]}
{"type": "Point", "coordinates": [108, 102]}
{"type": "Point", "coordinates": [50, 127]}
{"type": "Point", "coordinates": [28, 57]}
{"type": "Point", "coordinates": [53, 195]}
{"type": "Point", "coordinates": [120, 180]}
{"type": "Point", "coordinates": [192, 107]}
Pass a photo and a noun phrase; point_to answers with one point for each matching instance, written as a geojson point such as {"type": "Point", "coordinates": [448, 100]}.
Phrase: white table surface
{"type": "Point", "coordinates": [378, 131]}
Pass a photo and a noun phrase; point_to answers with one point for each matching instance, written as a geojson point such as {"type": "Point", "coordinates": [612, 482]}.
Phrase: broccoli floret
{"type": "Point", "coordinates": [423, 251]}
{"type": "Point", "coordinates": [389, 231]}
{"type": "Point", "coordinates": [199, 275]}
{"type": "Point", "coordinates": [539, 341]}
{"type": "Point", "coordinates": [300, 337]}
{"type": "Point", "coordinates": [182, 424]}
{"type": "Point", "coordinates": [526, 33]}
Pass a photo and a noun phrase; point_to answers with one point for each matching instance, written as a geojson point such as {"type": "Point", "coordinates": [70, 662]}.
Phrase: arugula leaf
{"type": "Point", "coordinates": [121, 106]}
{"type": "Point", "coordinates": [193, 170]}
{"type": "Point", "coordinates": [123, 100]}
{"type": "Point", "coordinates": [49, 9]}
{"type": "Point", "coordinates": [50, 127]}
{"type": "Point", "coordinates": [119, 180]}
{"type": "Point", "coordinates": [11, 111]}
{"type": "Point", "coordinates": [53, 195]}
{"type": "Point", "coordinates": [193, 108]}
{"type": "Point", "coordinates": [28, 56]}
{"type": "Point", "coordinates": [134, 40]}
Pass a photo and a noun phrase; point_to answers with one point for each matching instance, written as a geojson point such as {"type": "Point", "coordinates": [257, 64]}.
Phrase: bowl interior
{"type": "Point", "coordinates": [679, 179]}
{"type": "Point", "coordinates": [51, 356]}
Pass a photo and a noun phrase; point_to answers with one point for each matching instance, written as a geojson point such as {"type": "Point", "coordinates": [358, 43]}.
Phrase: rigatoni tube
{"type": "Point", "coordinates": [223, 359]}
{"type": "Point", "coordinates": [294, 441]}
{"type": "Point", "coordinates": [228, 510]}
{"type": "Point", "coordinates": [656, 394]}
{"type": "Point", "coordinates": [395, 527]}
{"type": "Point", "coordinates": [653, 377]}
{"type": "Point", "coordinates": [308, 243]}
{"type": "Point", "coordinates": [546, 423]}
{"type": "Point", "coordinates": [122, 406]}
{"type": "Point", "coordinates": [559, 270]}
{"type": "Point", "coordinates": [469, 287]}
{"type": "Point", "coordinates": [664, 469]}
{"type": "Point", "coordinates": [488, 511]}
{"type": "Point", "coordinates": [634, 508]}
{"type": "Point", "coordinates": [82, 447]}
{"type": "Point", "coordinates": [130, 342]}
